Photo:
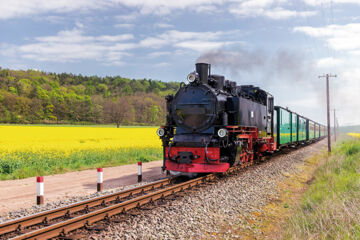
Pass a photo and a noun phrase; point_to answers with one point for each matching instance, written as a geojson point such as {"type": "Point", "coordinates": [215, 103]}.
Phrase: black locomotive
{"type": "Point", "coordinates": [213, 124]}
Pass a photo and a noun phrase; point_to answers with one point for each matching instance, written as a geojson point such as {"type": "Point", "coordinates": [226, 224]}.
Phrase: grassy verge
{"type": "Point", "coordinates": [19, 165]}
{"type": "Point", "coordinates": [330, 208]}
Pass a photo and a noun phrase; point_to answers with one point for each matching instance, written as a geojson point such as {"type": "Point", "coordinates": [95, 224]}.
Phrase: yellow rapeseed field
{"type": "Point", "coordinates": [27, 151]}
{"type": "Point", "coordinates": [68, 139]}
{"type": "Point", "coordinates": [357, 135]}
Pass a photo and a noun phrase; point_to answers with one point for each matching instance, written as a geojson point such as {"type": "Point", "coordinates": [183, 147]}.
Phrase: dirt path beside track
{"type": "Point", "coordinates": [16, 194]}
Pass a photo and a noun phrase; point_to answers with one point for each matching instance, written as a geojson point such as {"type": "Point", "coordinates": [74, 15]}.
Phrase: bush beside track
{"type": "Point", "coordinates": [330, 208]}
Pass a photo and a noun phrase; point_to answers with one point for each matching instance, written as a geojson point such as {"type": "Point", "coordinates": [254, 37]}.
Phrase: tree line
{"type": "Point", "coordinates": [38, 97]}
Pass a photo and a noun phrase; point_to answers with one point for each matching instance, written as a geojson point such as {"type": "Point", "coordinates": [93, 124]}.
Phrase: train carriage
{"type": "Point", "coordinates": [302, 129]}
{"type": "Point", "coordinates": [283, 126]}
{"type": "Point", "coordinates": [311, 130]}
{"type": "Point", "coordinates": [317, 130]}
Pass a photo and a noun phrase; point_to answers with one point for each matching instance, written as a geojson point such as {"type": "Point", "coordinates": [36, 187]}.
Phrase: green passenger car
{"type": "Point", "coordinates": [283, 124]}
{"type": "Point", "coordinates": [290, 128]}
{"type": "Point", "coordinates": [311, 130]}
{"type": "Point", "coordinates": [302, 129]}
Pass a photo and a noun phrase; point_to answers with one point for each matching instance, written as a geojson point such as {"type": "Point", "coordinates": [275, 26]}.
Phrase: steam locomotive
{"type": "Point", "coordinates": [212, 124]}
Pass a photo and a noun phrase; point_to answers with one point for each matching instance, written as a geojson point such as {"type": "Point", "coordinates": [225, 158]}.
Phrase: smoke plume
{"type": "Point", "coordinates": [235, 61]}
{"type": "Point", "coordinates": [282, 65]}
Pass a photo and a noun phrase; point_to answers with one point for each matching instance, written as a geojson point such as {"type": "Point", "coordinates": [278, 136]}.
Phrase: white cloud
{"type": "Point", "coordinates": [274, 9]}
{"type": "Point", "coordinates": [124, 25]}
{"type": "Point", "coordinates": [207, 9]}
{"type": "Point", "coordinates": [163, 7]}
{"type": "Point", "coordinates": [311, 101]}
{"type": "Point", "coordinates": [73, 45]}
{"type": "Point", "coordinates": [162, 64]}
{"type": "Point", "coordinates": [79, 24]}
{"type": "Point", "coordinates": [76, 36]}
{"type": "Point", "coordinates": [329, 62]}
{"type": "Point", "coordinates": [158, 54]}
{"type": "Point", "coordinates": [163, 25]}
{"type": "Point", "coordinates": [281, 13]}
{"type": "Point", "coordinates": [203, 46]}
{"type": "Point", "coordinates": [339, 37]}
{"type": "Point", "coordinates": [19, 8]}
{"type": "Point", "coordinates": [319, 3]}
{"type": "Point", "coordinates": [347, 92]}
{"type": "Point", "coordinates": [126, 18]}
{"type": "Point", "coordinates": [51, 19]}
{"type": "Point", "coordinates": [198, 41]}
{"type": "Point", "coordinates": [174, 36]}
{"type": "Point", "coordinates": [266, 8]}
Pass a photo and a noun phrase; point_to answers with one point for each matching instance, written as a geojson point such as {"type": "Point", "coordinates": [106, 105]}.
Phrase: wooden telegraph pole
{"type": "Point", "coordinates": [334, 125]}
{"type": "Point", "coordinates": [327, 76]}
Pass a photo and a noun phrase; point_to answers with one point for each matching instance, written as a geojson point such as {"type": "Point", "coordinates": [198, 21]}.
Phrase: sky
{"type": "Point", "coordinates": [282, 46]}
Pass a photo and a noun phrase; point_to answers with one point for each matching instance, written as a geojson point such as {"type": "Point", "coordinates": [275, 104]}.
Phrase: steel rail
{"type": "Point", "coordinates": [66, 211]}
{"type": "Point", "coordinates": [63, 228]}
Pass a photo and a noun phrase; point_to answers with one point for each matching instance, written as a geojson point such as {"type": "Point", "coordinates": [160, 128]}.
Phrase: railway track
{"type": "Point", "coordinates": [22, 227]}
{"type": "Point", "coordinates": [60, 222]}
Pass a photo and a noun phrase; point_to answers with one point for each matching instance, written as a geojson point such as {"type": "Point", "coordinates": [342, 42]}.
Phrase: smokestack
{"type": "Point", "coordinates": [203, 70]}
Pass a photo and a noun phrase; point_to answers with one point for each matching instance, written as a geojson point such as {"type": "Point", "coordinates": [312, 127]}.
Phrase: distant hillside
{"type": "Point", "coordinates": [38, 97]}
{"type": "Point", "coordinates": [347, 129]}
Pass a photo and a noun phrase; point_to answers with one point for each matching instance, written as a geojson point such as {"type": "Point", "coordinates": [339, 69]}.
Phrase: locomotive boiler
{"type": "Point", "coordinates": [213, 124]}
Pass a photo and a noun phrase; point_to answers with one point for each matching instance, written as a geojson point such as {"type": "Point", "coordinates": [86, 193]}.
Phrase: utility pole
{"type": "Point", "coordinates": [328, 108]}
{"type": "Point", "coordinates": [334, 125]}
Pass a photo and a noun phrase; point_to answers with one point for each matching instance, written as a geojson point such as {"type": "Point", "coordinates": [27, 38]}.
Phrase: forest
{"type": "Point", "coordinates": [42, 97]}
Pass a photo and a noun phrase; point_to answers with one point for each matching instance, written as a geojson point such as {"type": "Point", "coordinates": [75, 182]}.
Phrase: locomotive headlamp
{"type": "Point", "coordinates": [160, 132]}
{"type": "Point", "coordinates": [191, 77]}
{"type": "Point", "coordinates": [222, 132]}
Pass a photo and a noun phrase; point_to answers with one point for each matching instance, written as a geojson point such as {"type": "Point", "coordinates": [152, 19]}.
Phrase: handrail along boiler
{"type": "Point", "coordinates": [213, 124]}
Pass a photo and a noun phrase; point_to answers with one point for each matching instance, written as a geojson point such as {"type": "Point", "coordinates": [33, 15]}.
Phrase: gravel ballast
{"type": "Point", "coordinates": [23, 212]}
{"type": "Point", "coordinates": [202, 214]}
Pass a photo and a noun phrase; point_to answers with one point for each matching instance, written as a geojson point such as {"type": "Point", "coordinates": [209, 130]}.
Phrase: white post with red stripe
{"type": "Point", "coordinates": [39, 190]}
{"type": "Point", "coordinates": [139, 171]}
{"type": "Point", "coordinates": [99, 179]}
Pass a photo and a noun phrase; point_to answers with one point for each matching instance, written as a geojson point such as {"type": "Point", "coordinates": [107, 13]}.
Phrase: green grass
{"type": "Point", "coordinates": [330, 208]}
{"type": "Point", "coordinates": [19, 165]}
